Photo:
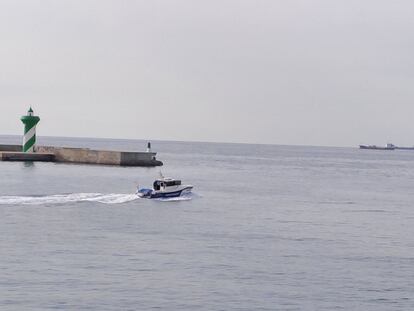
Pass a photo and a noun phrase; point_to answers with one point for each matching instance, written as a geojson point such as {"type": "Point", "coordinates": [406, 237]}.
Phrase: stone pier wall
{"type": "Point", "coordinates": [82, 155]}
{"type": "Point", "coordinates": [11, 148]}
{"type": "Point", "coordinates": [89, 156]}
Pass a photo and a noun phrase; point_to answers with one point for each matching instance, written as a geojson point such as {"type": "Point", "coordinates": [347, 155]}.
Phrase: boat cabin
{"type": "Point", "coordinates": [161, 184]}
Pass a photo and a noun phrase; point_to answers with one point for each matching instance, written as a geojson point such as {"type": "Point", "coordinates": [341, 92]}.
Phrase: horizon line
{"type": "Point", "coordinates": [187, 141]}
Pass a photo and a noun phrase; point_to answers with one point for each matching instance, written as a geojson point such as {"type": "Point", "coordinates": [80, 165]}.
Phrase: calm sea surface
{"type": "Point", "coordinates": [268, 228]}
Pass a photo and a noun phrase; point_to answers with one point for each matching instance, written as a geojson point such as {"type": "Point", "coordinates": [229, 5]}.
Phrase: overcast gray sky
{"type": "Point", "coordinates": [313, 72]}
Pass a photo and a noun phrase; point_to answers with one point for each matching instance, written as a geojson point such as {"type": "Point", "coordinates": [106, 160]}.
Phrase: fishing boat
{"type": "Point", "coordinates": [165, 187]}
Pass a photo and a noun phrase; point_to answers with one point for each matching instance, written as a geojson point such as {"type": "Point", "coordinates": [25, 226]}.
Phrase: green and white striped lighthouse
{"type": "Point", "coordinates": [29, 139]}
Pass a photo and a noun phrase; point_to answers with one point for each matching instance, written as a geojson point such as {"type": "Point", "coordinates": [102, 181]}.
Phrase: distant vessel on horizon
{"type": "Point", "coordinates": [387, 147]}
{"type": "Point", "coordinates": [374, 147]}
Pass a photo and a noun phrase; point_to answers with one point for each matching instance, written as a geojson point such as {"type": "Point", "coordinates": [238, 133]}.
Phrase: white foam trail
{"type": "Point", "coordinates": [111, 198]}
{"type": "Point", "coordinates": [68, 198]}
{"type": "Point", "coordinates": [114, 198]}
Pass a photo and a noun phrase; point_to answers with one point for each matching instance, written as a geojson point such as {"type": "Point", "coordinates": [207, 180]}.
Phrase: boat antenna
{"type": "Point", "coordinates": [161, 175]}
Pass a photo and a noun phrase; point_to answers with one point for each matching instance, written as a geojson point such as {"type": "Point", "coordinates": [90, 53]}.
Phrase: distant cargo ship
{"type": "Point", "coordinates": [387, 147]}
{"type": "Point", "coordinates": [374, 147]}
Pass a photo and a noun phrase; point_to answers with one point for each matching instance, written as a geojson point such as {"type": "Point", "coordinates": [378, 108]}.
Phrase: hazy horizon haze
{"type": "Point", "coordinates": [327, 73]}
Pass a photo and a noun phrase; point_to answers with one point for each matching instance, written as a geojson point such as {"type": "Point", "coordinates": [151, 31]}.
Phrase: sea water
{"type": "Point", "coordinates": [267, 228]}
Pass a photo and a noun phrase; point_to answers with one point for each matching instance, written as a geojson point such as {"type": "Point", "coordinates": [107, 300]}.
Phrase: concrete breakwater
{"type": "Point", "coordinates": [79, 155]}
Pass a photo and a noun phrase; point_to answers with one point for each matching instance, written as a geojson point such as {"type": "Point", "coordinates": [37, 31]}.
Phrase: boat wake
{"type": "Point", "coordinates": [111, 198]}
{"type": "Point", "coordinates": [68, 198]}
